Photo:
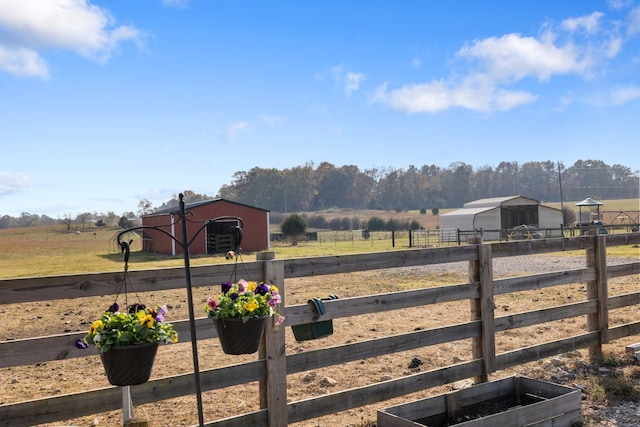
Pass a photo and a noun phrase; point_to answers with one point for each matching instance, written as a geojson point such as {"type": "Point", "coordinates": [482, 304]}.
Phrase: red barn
{"type": "Point", "coordinates": [215, 237]}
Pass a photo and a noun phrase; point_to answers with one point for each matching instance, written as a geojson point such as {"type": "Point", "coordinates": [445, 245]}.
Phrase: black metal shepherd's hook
{"type": "Point", "coordinates": [125, 248]}
{"type": "Point", "coordinates": [185, 249]}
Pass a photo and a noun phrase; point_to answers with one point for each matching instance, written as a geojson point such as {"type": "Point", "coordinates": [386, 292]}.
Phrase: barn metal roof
{"type": "Point", "coordinates": [192, 205]}
{"type": "Point", "coordinates": [468, 212]}
{"type": "Point", "coordinates": [494, 202]}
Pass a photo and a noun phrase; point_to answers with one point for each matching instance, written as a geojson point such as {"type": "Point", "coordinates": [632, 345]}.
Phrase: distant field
{"type": "Point", "coordinates": [51, 250]}
{"type": "Point", "coordinates": [607, 205]}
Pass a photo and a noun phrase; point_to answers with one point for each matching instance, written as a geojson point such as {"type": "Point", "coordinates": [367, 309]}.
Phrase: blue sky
{"type": "Point", "coordinates": [106, 103]}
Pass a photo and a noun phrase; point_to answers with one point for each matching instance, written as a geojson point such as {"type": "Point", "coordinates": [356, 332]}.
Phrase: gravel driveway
{"type": "Point", "coordinates": [508, 266]}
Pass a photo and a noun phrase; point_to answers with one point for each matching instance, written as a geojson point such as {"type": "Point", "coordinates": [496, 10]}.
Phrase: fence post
{"type": "Point", "coordinates": [598, 289]}
{"type": "Point", "coordinates": [273, 389]}
{"type": "Point", "coordinates": [483, 347]}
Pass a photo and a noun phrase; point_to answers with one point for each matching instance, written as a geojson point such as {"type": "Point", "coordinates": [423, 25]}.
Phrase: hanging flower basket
{"type": "Point", "coordinates": [240, 313]}
{"type": "Point", "coordinates": [129, 364]}
{"type": "Point", "coordinates": [128, 341]}
{"type": "Point", "coordinates": [238, 337]}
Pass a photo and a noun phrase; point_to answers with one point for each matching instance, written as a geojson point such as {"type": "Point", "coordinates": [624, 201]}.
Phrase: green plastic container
{"type": "Point", "coordinates": [315, 330]}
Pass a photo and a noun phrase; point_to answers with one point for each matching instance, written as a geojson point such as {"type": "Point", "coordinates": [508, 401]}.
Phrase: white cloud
{"type": "Point", "coordinates": [613, 48]}
{"type": "Point", "coordinates": [23, 63]}
{"type": "Point", "coordinates": [505, 100]}
{"type": "Point", "coordinates": [12, 183]}
{"type": "Point", "coordinates": [633, 26]}
{"type": "Point", "coordinates": [176, 3]}
{"type": "Point", "coordinates": [427, 97]}
{"type": "Point", "coordinates": [320, 109]}
{"type": "Point", "coordinates": [352, 82]}
{"type": "Point", "coordinates": [589, 23]}
{"type": "Point", "coordinates": [621, 96]}
{"type": "Point", "coordinates": [348, 79]}
{"type": "Point", "coordinates": [513, 57]}
{"type": "Point", "coordinates": [564, 103]}
{"type": "Point", "coordinates": [37, 25]}
{"type": "Point", "coordinates": [270, 120]}
{"type": "Point", "coordinates": [619, 4]}
{"type": "Point", "coordinates": [580, 46]}
{"type": "Point", "coordinates": [439, 96]}
{"type": "Point", "coordinates": [338, 73]}
{"type": "Point", "coordinates": [236, 129]}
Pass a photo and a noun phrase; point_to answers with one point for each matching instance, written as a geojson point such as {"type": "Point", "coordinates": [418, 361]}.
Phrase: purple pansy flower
{"type": "Point", "coordinates": [262, 289]}
{"type": "Point", "coordinates": [226, 286]}
{"type": "Point", "coordinates": [134, 308]}
{"type": "Point", "coordinates": [162, 310]}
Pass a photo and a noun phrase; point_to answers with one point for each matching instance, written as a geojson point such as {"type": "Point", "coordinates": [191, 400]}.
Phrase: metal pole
{"type": "Point", "coordinates": [185, 246]}
{"type": "Point", "coordinates": [127, 405]}
{"type": "Point", "coordinates": [192, 320]}
{"type": "Point", "coordinates": [561, 196]}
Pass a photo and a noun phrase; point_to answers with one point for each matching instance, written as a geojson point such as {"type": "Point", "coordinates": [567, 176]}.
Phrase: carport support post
{"type": "Point", "coordinates": [484, 346]}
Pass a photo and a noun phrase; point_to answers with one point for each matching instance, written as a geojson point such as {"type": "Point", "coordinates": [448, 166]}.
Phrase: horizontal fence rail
{"type": "Point", "coordinates": [273, 365]}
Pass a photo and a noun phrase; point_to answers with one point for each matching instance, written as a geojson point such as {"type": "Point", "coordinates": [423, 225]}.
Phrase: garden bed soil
{"type": "Point", "coordinates": [502, 402]}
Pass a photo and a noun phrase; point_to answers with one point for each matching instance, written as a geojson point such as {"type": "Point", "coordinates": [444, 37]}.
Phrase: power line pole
{"type": "Point", "coordinates": [561, 197]}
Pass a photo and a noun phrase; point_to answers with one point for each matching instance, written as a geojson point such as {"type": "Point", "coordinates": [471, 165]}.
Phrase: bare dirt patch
{"type": "Point", "coordinates": [69, 376]}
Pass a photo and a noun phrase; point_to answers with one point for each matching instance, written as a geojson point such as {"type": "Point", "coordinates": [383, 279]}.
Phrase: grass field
{"type": "Point", "coordinates": [52, 250]}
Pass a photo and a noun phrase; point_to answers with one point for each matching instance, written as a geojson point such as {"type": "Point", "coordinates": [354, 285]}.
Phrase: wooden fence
{"type": "Point", "coordinates": [273, 365]}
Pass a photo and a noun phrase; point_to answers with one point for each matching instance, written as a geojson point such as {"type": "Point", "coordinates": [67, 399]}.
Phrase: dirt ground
{"type": "Point", "coordinates": [61, 377]}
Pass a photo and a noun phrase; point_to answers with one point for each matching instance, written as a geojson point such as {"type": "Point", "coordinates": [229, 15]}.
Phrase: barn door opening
{"type": "Point", "coordinates": [513, 216]}
{"type": "Point", "coordinates": [221, 237]}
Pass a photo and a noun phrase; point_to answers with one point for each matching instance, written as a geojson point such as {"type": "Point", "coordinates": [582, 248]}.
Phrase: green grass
{"type": "Point", "coordinates": [47, 251]}
{"type": "Point", "coordinates": [51, 250]}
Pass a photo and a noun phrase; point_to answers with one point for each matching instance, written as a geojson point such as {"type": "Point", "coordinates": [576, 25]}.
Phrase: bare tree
{"type": "Point", "coordinates": [145, 207]}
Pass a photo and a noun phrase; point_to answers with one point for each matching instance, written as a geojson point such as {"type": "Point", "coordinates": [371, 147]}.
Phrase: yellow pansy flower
{"type": "Point", "coordinates": [251, 305]}
{"type": "Point", "coordinates": [95, 327]}
{"type": "Point", "coordinates": [147, 321]}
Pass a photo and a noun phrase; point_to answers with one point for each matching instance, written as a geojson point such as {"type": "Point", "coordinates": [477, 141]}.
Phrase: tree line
{"type": "Point", "coordinates": [309, 188]}
{"type": "Point", "coordinates": [79, 222]}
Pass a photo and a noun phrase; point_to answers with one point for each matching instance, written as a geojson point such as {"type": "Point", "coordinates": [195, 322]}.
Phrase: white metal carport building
{"type": "Point", "coordinates": [501, 213]}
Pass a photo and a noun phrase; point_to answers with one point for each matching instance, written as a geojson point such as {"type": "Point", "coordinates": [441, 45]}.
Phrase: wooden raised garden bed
{"type": "Point", "coordinates": [510, 402]}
